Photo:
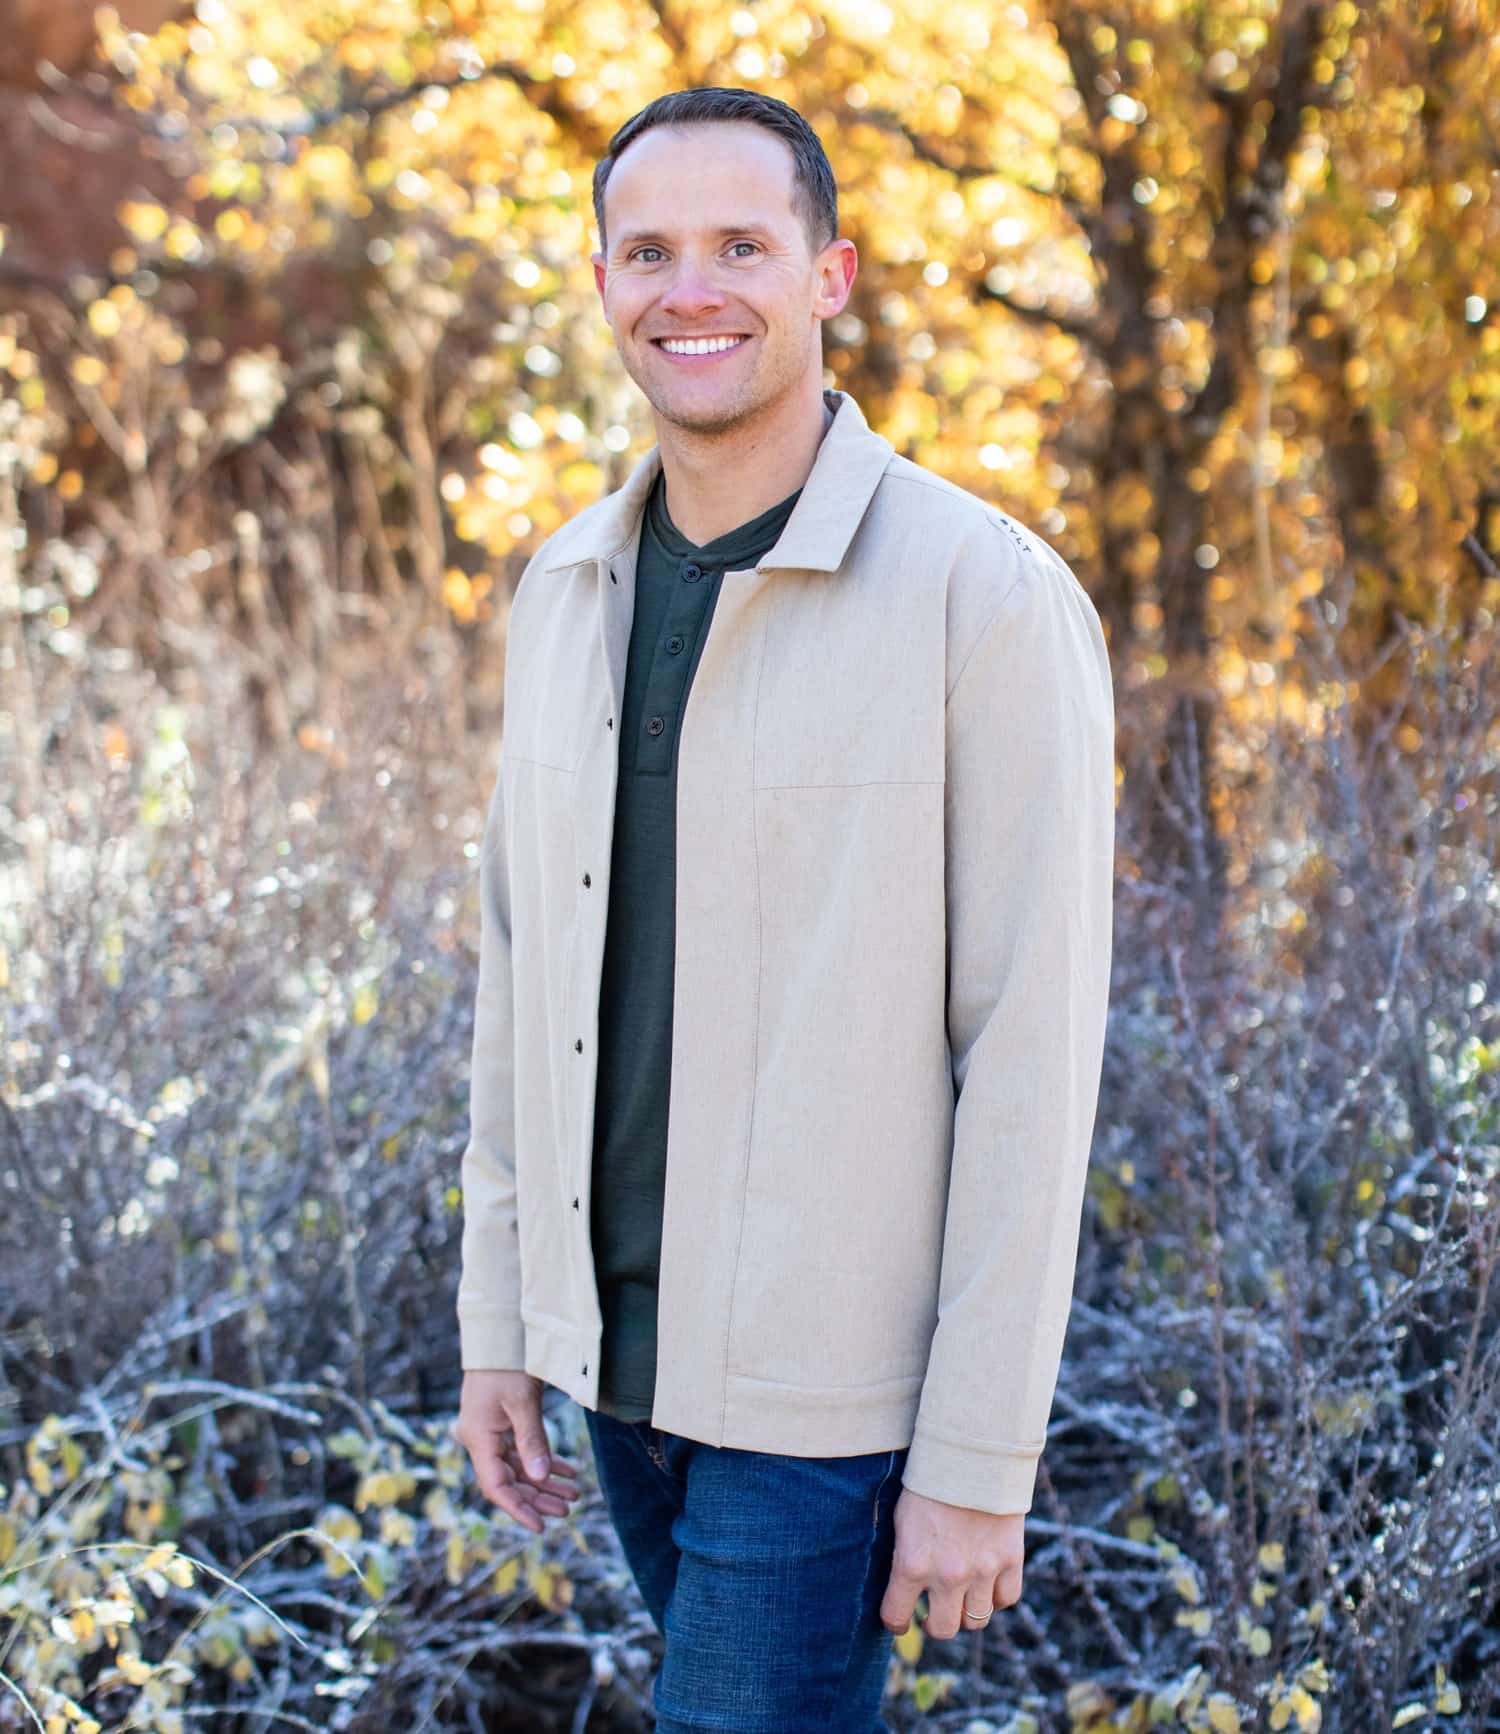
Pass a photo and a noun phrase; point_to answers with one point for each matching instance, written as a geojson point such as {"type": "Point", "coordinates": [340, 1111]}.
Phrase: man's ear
{"type": "Point", "coordinates": [836, 271]}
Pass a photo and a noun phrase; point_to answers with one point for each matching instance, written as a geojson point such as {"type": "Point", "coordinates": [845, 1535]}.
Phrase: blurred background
{"type": "Point", "coordinates": [300, 358]}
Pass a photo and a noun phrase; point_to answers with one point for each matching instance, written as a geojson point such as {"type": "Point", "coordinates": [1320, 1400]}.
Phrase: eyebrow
{"type": "Point", "coordinates": [637, 236]}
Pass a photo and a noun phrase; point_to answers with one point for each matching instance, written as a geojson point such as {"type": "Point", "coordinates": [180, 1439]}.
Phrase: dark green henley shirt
{"type": "Point", "coordinates": [676, 587]}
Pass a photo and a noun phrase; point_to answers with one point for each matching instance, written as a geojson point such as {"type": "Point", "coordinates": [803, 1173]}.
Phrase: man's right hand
{"type": "Point", "coordinates": [500, 1426]}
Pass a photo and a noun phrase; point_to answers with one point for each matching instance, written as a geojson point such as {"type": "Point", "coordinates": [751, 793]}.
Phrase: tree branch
{"type": "Point", "coordinates": [1084, 330]}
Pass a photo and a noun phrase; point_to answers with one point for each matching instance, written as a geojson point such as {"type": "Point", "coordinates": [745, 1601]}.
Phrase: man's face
{"type": "Point", "coordinates": [703, 242]}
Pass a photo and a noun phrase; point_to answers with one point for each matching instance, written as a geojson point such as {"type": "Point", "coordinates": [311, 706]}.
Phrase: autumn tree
{"type": "Point", "coordinates": [1206, 293]}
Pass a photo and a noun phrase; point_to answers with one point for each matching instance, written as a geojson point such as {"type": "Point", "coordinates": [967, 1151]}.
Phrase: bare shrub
{"type": "Point", "coordinates": [236, 994]}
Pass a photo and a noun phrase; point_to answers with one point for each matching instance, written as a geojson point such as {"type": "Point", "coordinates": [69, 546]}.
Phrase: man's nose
{"type": "Point", "coordinates": [692, 285]}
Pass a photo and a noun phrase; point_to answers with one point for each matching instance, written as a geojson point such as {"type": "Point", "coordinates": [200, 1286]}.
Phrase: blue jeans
{"type": "Point", "coordinates": [764, 1573]}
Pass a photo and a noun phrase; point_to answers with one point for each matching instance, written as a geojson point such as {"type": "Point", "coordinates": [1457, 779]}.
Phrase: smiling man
{"type": "Point", "coordinates": [793, 975]}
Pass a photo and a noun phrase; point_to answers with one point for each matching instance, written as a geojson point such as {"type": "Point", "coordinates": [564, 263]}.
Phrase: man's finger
{"type": "Point", "coordinates": [553, 1496]}
{"type": "Point", "coordinates": [900, 1600]}
{"type": "Point", "coordinates": [496, 1479]}
{"type": "Point", "coordinates": [945, 1608]}
{"type": "Point", "coordinates": [562, 1480]}
{"type": "Point", "coordinates": [516, 1498]}
{"type": "Point", "coordinates": [531, 1451]}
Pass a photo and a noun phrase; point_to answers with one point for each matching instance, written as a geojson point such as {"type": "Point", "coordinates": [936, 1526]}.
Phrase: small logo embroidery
{"type": "Point", "coordinates": [1004, 523]}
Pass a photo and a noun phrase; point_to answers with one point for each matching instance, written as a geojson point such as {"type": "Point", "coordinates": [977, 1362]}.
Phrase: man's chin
{"type": "Point", "coordinates": [679, 411]}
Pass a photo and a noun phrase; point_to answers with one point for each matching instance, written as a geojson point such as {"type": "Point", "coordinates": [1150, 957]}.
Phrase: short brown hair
{"type": "Point", "coordinates": [815, 197]}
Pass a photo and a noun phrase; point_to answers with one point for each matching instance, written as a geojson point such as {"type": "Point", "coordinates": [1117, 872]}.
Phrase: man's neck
{"type": "Point", "coordinates": [715, 483]}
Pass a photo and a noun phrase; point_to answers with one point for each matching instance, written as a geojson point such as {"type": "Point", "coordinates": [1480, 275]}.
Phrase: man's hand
{"type": "Point", "coordinates": [500, 1426]}
{"type": "Point", "coordinates": [964, 1559]}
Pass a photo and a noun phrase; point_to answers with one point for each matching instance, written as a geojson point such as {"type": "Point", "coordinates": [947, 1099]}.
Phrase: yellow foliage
{"type": "Point", "coordinates": [1296, 1702]}
{"type": "Point", "coordinates": [552, 1586]}
{"type": "Point", "coordinates": [930, 1690]}
{"type": "Point", "coordinates": [136, 1671]}
{"type": "Point", "coordinates": [1223, 1714]}
{"type": "Point", "coordinates": [1313, 1675]}
{"type": "Point", "coordinates": [1446, 1699]}
{"type": "Point", "coordinates": [342, 1527]}
{"type": "Point", "coordinates": [1342, 1415]}
{"type": "Point", "coordinates": [145, 221]}
{"type": "Point", "coordinates": [1087, 1703]}
{"type": "Point", "coordinates": [398, 1528]}
{"type": "Point", "coordinates": [383, 1487]}
{"type": "Point", "coordinates": [104, 318]}
{"type": "Point", "coordinates": [88, 369]}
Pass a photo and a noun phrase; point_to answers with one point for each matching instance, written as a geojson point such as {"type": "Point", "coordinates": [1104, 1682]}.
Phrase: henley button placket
{"type": "Point", "coordinates": [667, 632]}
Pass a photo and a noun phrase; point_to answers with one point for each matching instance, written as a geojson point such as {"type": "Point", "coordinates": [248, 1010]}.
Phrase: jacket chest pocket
{"type": "Point", "coordinates": [847, 697]}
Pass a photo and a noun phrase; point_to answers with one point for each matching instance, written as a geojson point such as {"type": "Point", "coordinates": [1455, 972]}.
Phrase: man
{"type": "Point", "coordinates": [793, 975]}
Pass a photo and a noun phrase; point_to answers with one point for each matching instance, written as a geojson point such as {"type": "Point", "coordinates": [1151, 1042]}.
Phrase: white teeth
{"type": "Point", "coordinates": [699, 345]}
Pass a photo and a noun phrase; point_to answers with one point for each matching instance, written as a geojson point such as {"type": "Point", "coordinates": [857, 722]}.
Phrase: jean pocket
{"type": "Point", "coordinates": [884, 1492]}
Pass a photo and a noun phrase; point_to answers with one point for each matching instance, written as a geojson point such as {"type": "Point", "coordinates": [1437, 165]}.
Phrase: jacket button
{"type": "Point", "coordinates": [692, 572]}
{"type": "Point", "coordinates": [578, 1046]}
{"type": "Point", "coordinates": [609, 722]}
{"type": "Point", "coordinates": [575, 1203]}
{"type": "Point", "coordinates": [585, 1366]}
{"type": "Point", "coordinates": [587, 880]}
{"type": "Point", "coordinates": [674, 644]}
{"type": "Point", "coordinates": [656, 725]}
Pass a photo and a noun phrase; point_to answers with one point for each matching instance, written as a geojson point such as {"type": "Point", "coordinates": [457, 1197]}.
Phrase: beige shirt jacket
{"type": "Point", "coordinates": [895, 830]}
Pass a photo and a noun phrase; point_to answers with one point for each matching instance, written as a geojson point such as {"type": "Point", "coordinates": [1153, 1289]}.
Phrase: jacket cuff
{"type": "Point", "coordinates": [970, 1472]}
{"type": "Point", "coordinates": [491, 1342]}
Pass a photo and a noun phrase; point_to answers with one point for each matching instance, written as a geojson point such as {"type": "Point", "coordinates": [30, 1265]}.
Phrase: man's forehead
{"type": "Point", "coordinates": [739, 192]}
{"type": "Point", "coordinates": [744, 154]}
{"type": "Point", "coordinates": [707, 138]}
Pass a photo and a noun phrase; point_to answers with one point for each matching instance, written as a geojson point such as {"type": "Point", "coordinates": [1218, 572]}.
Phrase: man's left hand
{"type": "Point", "coordinates": [969, 1562]}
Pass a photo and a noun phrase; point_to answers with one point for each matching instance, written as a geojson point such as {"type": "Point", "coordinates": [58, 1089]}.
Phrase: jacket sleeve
{"type": "Point", "coordinates": [489, 1289]}
{"type": "Point", "coordinates": [1029, 817]}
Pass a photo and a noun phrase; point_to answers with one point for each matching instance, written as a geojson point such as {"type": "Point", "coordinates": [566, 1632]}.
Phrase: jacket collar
{"type": "Point", "coordinates": [850, 462]}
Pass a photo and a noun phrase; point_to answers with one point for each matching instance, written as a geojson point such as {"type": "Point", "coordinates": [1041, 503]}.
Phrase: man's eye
{"type": "Point", "coordinates": [747, 244]}
{"type": "Point", "coordinates": [640, 250]}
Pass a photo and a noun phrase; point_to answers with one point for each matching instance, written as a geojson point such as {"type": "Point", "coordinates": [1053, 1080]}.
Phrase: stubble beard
{"type": "Point", "coordinates": [750, 396]}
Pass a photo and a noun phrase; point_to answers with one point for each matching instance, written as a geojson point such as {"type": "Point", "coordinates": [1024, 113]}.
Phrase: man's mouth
{"type": "Point", "coordinates": [700, 349]}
